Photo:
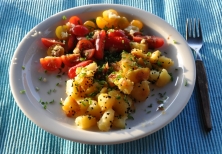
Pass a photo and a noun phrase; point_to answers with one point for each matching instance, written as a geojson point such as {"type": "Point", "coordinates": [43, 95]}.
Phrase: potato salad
{"type": "Point", "coordinates": [110, 64]}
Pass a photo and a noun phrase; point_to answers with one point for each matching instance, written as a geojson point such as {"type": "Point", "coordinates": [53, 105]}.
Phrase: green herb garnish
{"type": "Point", "coordinates": [64, 17]}
{"type": "Point", "coordinates": [22, 91]}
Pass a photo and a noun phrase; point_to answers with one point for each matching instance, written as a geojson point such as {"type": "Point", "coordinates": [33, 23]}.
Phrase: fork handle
{"type": "Point", "coordinates": [204, 96]}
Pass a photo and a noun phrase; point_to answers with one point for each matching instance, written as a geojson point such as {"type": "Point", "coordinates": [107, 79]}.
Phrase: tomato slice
{"type": "Point", "coordinates": [71, 59]}
{"type": "Point", "coordinates": [72, 70]}
{"type": "Point", "coordinates": [75, 20]}
{"type": "Point", "coordinates": [80, 30]}
{"type": "Point", "coordinates": [89, 53]}
{"type": "Point", "coordinates": [84, 45]}
{"type": "Point", "coordinates": [153, 41]}
{"type": "Point", "coordinates": [117, 44]}
{"type": "Point", "coordinates": [100, 44]}
{"type": "Point", "coordinates": [49, 42]}
{"type": "Point", "coordinates": [71, 43]}
{"type": "Point", "coordinates": [51, 63]}
{"type": "Point", "coordinates": [117, 32]}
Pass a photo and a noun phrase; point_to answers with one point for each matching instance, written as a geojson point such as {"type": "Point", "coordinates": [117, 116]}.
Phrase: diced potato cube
{"type": "Point", "coordinates": [154, 75]}
{"type": "Point", "coordinates": [138, 75]}
{"type": "Point", "coordinates": [155, 56]}
{"type": "Point", "coordinates": [144, 63]}
{"type": "Point", "coordinates": [86, 82]}
{"type": "Point", "coordinates": [141, 91]}
{"type": "Point", "coordinates": [120, 121]}
{"type": "Point", "coordinates": [94, 109]}
{"type": "Point", "coordinates": [163, 79]}
{"type": "Point", "coordinates": [70, 106]}
{"type": "Point", "coordinates": [127, 62]}
{"type": "Point", "coordinates": [93, 89]}
{"type": "Point", "coordinates": [83, 104]}
{"type": "Point", "coordinates": [139, 54]}
{"type": "Point", "coordinates": [125, 85]}
{"type": "Point", "coordinates": [91, 67]}
{"type": "Point", "coordinates": [85, 121]}
{"type": "Point", "coordinates": [111, 78]}
{"type": "Point", "coordinates": [105, 101]}
{"type": "Point", "coordinates": [69, 89]}
{"type": "Point", "coordinates": [87, 71]}
{"type": "Point", "coordinates": [77, 92]}
{"type": "Point", "coordinates": [104, 90]}
{"type": "Point", "coordinates": [105, 122]}
{"type": "Point", "coordinates": [141, 46]}
{"type": "Point", "coordinates": [123, 102]}
{"type": "Point", "coordinates": [165, 62]}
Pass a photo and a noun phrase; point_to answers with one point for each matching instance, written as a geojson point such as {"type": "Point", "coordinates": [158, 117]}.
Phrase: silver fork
{"type": "Point", "coordinates": [195, 41]}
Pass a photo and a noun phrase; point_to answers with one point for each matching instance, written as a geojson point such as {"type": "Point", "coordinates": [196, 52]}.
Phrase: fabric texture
{"type": "Point", "coordinates": [185, 134]}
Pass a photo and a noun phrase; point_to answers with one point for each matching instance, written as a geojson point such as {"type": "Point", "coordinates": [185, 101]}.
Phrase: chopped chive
{"type": "Point", "coordinates": [148, 112]}
{"type": "Point", "coordinates": [40, 78]}
{"type": "Point", "coordinates": [150, 105]}
{"type": "Point", "coordinates": [118, 97]}
{"type": "Point", "coordinates": [37, 88]}
{"type": "Point", "coordinates": [159, 63]}
{"type": "Point", "coordinates": [82, 59]}
{"type": "Point", "coordinates": [44, 106]}
{"type": "Point", "coordinates": [130, 117]}
{"type": "Point", "coordinates": [159, 101]}
{"type": "Point", "coordinates": [64, 17]}
{"type": "Point", "coordinates": [23, 67]}
{"type": "Point", "coordinates": [171, 76]}
{"type": "Point", "coordinates": [52, 101]}
{"type": "Point", "coordinates": [49, 92]}
{"type": "Point", "coordinates": [186, 83]}
{"type": "Point", "coordinates": [58, 76]}
{"type": "Point", "coordinates": [148, 54]}
{"type": "Point", "coordinates": [162, 94]}
{"type": "Point", "coordinates": [22, 91]}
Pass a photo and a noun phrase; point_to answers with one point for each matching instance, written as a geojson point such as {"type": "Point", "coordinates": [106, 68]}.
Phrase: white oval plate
{"type": "Point", "coordinates": [146, 119]}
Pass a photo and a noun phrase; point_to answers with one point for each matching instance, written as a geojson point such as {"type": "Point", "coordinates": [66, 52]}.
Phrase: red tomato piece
{"type": "Point", "coordinates": [117, 32]}
{"type": "Point", "coordinates": [137, 34]}
{"type": "Point", "coordinates": [72, 41]}
{"type": "Point", "coordinates": [84, 45]}
{"type": "Point", "coordinates": [71, 59]}
{"type": "Point", "coordinates": [117, 44]}
{"type": "Point", "coordinates": [72, 70]}
{"type": "Point", "coordinates": [49, 42]}
{"type": "Point", "coordinates": [100, 44]}
{"type": "Point", "coordinates": [89, 53]}
{"type": "Point", "coordinates": [80, 30]}
{"type": "Point", "coordinates": [153, 41]}
{"type": "Point", "coordinates": [75, 20]}
{"type": "Point", "coordinates": [51, 63]}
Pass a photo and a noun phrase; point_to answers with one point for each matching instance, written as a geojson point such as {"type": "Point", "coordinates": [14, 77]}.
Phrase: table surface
{"type": "Point", "coordinates": [185, 134]}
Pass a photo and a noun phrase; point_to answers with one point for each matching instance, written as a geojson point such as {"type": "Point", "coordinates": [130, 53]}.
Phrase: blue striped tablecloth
{"type": "Point", "coordinates": [185, 134]}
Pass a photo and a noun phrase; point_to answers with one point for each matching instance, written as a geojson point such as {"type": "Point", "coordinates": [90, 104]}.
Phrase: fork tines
{"type": "Point", "coordinates": [190, 25]}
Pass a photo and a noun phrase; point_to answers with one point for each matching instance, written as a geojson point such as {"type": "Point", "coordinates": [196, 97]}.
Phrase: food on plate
{"type": "Point", "coordinates": [110, 64]}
